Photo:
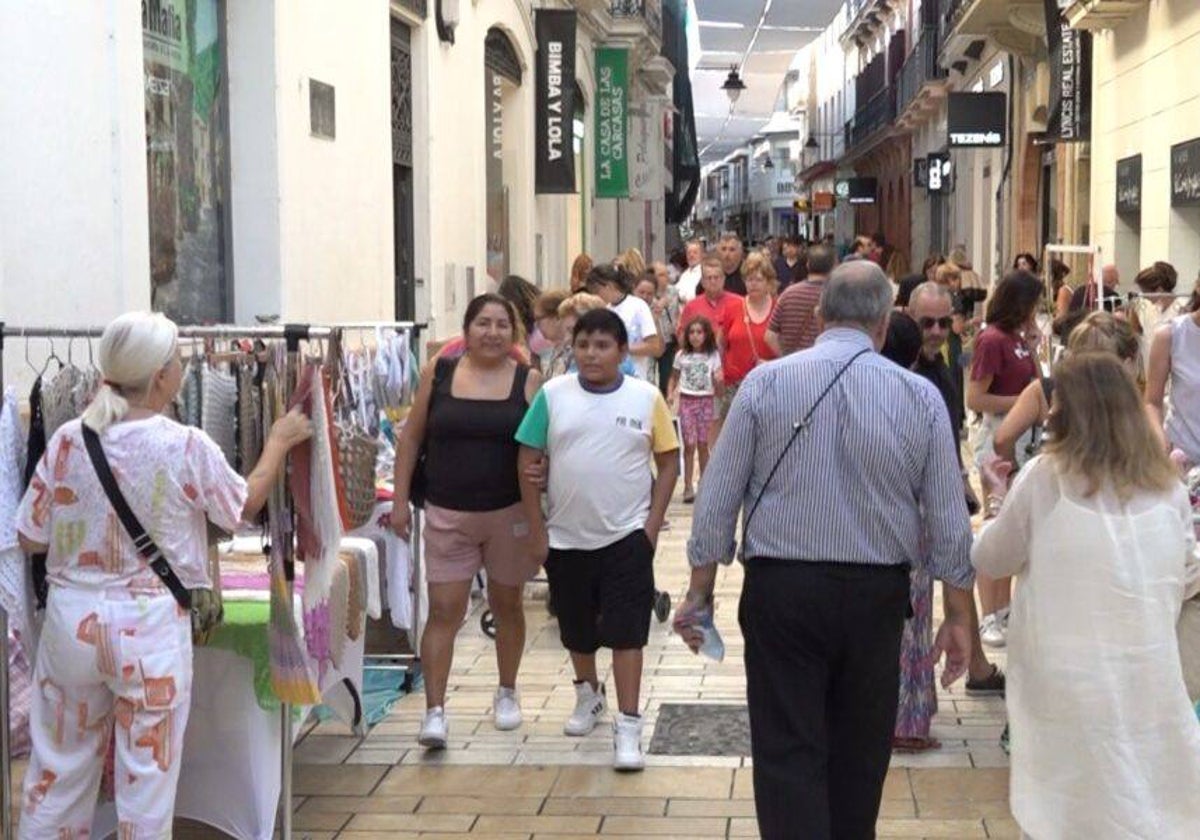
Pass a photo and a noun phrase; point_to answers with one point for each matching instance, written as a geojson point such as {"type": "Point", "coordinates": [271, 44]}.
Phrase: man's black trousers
{"type": "Point", "coordinates": [822, 675]}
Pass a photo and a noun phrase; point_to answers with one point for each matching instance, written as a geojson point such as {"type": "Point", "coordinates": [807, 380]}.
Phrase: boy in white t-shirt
{"type": "Point", "coordinates": [614, 463]}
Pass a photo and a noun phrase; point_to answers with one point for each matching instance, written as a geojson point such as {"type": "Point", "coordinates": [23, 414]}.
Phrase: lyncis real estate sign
{"type": "Point", "coordinates": [977, 120]}
{"type": "Point", "coordinates": [555, 170]}
{"type": "Point", "coordinates": [612, 122]}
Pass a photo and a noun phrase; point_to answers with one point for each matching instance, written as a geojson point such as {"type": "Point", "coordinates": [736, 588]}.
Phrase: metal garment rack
{"type": "Point", "coordinates": [292, 335]}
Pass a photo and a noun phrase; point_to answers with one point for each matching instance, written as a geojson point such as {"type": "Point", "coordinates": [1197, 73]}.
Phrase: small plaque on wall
{"type": "Point", "coordinates": [1129, 186]}
{"type": "Point", "coordinates": [322, 110]}
{"type": "Point", "coordinates": [1185, 174]}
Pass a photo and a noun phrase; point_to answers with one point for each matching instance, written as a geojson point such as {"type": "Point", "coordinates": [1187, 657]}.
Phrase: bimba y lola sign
{"type": "Point", "coordinates": [555, 170]}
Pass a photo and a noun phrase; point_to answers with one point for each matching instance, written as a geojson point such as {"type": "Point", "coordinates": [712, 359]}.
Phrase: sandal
{"type": "Point", "coordinates": [689, 496]}
{"type": "Point", "coordinates": [915, 745]}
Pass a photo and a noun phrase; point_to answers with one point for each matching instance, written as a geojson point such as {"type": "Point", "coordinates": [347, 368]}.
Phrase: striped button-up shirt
{"type": "Point", "coordinates": [873, 479]}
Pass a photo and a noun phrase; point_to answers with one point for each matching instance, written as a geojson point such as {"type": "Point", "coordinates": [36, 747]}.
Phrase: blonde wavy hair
{"type": "Point", "coordinates": [1099, 431]}
{"type": "Point", "coordinates": [1100, 332]}
{"type": "Point", "coordinates": [577, 304]}
{"type": "Point", "coordinates": [633, 262]}
{"type": "Point", "coordinates": [757, 262]}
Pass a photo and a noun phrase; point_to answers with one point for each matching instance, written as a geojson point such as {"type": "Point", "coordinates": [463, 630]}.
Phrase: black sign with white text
{"type": "Point", "coordinates": [940, 173]}
{"type": "Point", "coordinates": [1129, 186]}
{"type": "Point", "coordinates": [555, 101]}
{"type": "Point", "coordinates": [1185, 174]}
{"type": "Point", "coordinates": [977, 120]}
{"type": "Point", "coordinates": [1070, 78]}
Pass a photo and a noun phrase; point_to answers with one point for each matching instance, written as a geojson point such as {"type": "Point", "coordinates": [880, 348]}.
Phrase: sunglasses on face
{"type": "Point", "coordinates": [930, 323]}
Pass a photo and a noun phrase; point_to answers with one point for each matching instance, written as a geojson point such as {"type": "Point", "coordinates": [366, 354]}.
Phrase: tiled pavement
{"type": "Point", "coordinates": [536, 783]}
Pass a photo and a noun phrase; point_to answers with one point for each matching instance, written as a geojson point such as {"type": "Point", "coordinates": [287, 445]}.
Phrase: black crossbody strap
{"type": "Point", "coordinates": [797, 428]}
{"type": "Point", "coordinates": [142, 541]}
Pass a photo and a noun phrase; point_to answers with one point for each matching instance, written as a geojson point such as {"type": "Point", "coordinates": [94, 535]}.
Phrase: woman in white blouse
{"type": "Point", "coordinates": [1098, 531]}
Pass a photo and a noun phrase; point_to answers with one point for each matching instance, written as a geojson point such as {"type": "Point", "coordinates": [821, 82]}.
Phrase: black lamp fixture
{"type": "Point", "coordinates": [734, 85]}
{"type": "Point", "coordinates": [812, 143]}
{"type": "Point", "coordinates": [769, 163]}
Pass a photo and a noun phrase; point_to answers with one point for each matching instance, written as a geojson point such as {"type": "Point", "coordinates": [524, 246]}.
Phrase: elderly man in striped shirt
{"type": "Point", "coordinates": [845, 467]}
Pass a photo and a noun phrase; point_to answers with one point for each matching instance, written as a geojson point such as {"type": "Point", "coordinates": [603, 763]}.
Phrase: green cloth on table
{"type": "Point", "coordinates": [244, 632]}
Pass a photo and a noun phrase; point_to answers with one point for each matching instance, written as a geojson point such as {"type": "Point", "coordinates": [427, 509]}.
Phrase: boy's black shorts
{"type": "Point", "coordinates": [603, 598]}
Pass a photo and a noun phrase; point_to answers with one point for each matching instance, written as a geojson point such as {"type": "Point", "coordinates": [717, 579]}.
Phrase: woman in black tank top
{"type": "Point", "coordinates": [462, 427]}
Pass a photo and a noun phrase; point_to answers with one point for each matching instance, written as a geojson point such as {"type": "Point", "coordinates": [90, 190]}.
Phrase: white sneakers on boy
{"type": "Point", "coordinates": [627, 743]}
{"type": "Point", "coordinates": [506, 709]}
{"type": "Point", "coordinates": [589, 706]}
{"type": "Point", "coordinates": [434, 729]}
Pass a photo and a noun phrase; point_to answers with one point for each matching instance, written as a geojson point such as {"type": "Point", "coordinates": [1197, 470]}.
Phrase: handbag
{"type": "Point", "coordinates": [357, 453]}
{"type": "Point", "coordinates": [206, 608]}
{"type": "Point", "coordinates": [1188, 631]}
{"type": "Point", "coordinates": [418, 485]}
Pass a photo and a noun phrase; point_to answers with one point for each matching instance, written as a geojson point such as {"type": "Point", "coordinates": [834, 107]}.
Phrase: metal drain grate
{"type": "Point", "coordinates": [701, 729]}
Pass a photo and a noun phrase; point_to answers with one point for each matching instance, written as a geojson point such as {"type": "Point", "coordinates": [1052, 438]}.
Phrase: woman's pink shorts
{"type": "Point", "coordinates": [459, 543]}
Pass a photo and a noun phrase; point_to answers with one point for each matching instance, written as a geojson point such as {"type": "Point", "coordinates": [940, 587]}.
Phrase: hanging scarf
{"type": "Point", "coordinates": [319, 523]}
{"type": "Point", "coordinates": [291, 679]}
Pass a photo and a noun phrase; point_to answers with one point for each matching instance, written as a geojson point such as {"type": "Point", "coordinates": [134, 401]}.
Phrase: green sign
{"type": "Point", "coordinates": [612, 122]}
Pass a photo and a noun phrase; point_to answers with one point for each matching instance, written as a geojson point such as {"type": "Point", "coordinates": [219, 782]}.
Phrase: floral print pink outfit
{"type": "Point", "coordinates": [115, 648]}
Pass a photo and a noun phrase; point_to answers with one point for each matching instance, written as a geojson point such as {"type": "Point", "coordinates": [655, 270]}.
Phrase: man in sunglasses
{"type": "Point", "coordinates": [932, 307]}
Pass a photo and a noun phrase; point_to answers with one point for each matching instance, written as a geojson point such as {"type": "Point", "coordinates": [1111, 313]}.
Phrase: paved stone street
{"type": "Point", "coordinates": [535, 782]}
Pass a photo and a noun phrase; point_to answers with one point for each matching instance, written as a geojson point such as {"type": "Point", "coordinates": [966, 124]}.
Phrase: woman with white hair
{"type": "Point", "coordinates": [116, 646]}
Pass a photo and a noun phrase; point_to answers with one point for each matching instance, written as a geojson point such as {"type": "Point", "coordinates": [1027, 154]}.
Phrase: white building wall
{"type": "Point", "coordinates": [256, 197]}
{"type": "Point", "coordinates": [74, 235]}
{"type": "Point", "coordinates": [336, 197]}
{"type": "Point", "coordinates": [1146, 99]}
{"type": "Point", "coordinates": [450, 124]}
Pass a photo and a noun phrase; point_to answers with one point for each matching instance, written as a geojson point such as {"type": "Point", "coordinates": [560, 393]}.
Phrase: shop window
{"type": "Point", "coordinates": [187, 158]}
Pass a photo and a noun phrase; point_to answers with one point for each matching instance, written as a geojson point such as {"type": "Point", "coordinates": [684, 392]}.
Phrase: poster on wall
{"type": "Point", "coordinates": [1185, 174]}
{"type": "Point", "coordinates": [186, 156]}
{"type": "Point", "coordinates": [612, 122]}
{"type": "Point", "coordinates": [645, 169]}
{"type": "Point", "coordinates": [555, 171]}
{"type": "Point", "coordinates": [1129, 186]}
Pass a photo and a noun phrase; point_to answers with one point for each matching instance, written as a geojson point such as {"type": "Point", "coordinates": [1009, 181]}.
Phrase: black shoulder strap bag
{"type": "Point", "coordinates": [142, 541]}
{"type": "Point", "coordinates": [797, 428]}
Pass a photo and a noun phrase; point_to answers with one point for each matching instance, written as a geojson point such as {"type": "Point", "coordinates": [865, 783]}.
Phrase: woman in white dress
{"type": "Point", "coordinates": [1098, 531]}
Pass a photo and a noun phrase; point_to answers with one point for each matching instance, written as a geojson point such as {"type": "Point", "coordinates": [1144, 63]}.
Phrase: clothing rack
{"type": "Point", "coordinates": [292, 335]}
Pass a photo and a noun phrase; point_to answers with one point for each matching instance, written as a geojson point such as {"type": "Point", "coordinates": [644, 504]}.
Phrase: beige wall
{"type": "Point", "coordinates": [1147, 98]}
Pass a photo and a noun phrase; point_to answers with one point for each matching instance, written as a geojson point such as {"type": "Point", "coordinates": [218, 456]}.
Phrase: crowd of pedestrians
{"type": "Point", "coordinates": [547, 435]}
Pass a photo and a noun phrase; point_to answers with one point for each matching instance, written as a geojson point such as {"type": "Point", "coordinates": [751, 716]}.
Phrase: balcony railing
{"type": "Point", "coordinates": [920, 68]}
{"type": "Point", "coordinates": [648, 10]}
{"type": "Point", "coordinates": [878, 113]}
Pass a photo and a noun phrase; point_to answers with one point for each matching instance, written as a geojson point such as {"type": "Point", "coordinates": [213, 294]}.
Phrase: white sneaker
{"type": "Point", "coordinates": [627, 743]}
{"type": "Point", "coordinates": [993, 630]}
{"type": "Point", "coordinates": [506, 709]}
{"type": "Point", "coordinates": [434, 729]}
{"type": "Point", "coordinates": [589, 706]}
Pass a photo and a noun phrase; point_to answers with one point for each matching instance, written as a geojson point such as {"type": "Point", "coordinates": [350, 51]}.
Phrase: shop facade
{"type": "Point", "coordinates": [878, 155]}
{"type": "Point", "coordinates": [1032, 190]}
{"type": "Point", "coordinates": [1145, 164]}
